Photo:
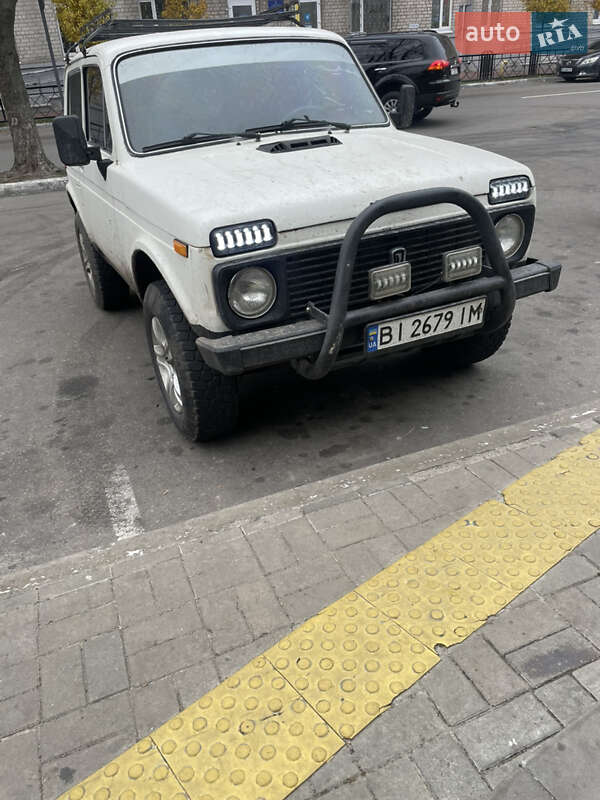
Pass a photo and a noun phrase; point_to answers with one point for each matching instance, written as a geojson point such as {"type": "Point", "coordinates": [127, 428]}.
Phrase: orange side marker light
{"type": "Point", "coordinates": [180, 248]}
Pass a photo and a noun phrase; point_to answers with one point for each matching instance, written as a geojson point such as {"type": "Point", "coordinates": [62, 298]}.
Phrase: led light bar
{"type": "Point", "coordinates": [503, 190]}
{"type": "Point", "coordinates": [387, 281]}
{"type": "Point", "coordinates": [462, 263]}
{"type": "Point", "coordinates": [233, 239]}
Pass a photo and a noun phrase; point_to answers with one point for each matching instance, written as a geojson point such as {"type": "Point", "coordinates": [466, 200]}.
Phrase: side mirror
{"type": "Point", "coordinates": [403, 117]}
{"type": "Point", "coordinates": [70, 141]}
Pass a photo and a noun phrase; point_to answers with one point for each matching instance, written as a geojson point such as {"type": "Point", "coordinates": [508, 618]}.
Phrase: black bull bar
{"type": "Point", "coordinates": [323, 333]}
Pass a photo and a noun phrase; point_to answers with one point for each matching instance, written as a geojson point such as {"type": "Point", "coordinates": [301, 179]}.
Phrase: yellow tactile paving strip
{"type": "Point", "coordinates": [252, 736]}
{"type": "Point", "coordinates": [350, 661]}
{"type": "Point", "coordinates": [266, 729]}
{"type": "Point", "coordinates": [139, 772]}
{"type": "Point", "coordinates": [434, 595]}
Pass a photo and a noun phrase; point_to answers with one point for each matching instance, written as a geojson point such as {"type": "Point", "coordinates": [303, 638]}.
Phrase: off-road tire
{"type": "Point", "coordinates": [462, 353]}
{"type": "Point", "coordinates": [210, 400]}
{"type": "Point", "coordinates": [108, 289]}
{"type": "Point", "coordinates": [422, 112]}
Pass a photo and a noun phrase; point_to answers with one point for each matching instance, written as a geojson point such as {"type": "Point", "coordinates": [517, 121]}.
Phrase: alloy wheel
{"type": "Point", "coordinates": [166, 367]}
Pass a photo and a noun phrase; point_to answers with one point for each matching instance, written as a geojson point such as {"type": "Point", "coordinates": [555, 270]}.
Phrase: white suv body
{"type": "Point", "coordinates": [155, 209]}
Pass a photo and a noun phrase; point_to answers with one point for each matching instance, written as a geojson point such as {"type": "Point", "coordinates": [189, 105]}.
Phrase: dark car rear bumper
{"type": "Point", "coordinates": [442, 96]}
{"type": "Point", "coordinates": [236, 354]}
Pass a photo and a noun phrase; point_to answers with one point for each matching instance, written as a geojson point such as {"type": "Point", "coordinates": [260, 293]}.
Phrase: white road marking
{"type": "Point", "coordinates": [122, 505]}
{"type": "Point", "coordinates": [559, 94]}
{"type": "Point", "coordinates": [584, 413]}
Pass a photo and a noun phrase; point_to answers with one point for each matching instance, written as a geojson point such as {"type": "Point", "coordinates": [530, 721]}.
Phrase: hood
{"type": "Point", "coordinates": [189, 192]}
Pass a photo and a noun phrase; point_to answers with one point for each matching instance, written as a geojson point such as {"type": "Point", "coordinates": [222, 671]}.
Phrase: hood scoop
{"type": "Point", "coordinates": [289, 145]}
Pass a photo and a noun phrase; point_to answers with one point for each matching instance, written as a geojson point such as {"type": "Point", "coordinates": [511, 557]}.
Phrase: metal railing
{"type": "Point", "coordinates": [498, 67]}
{"type": "Point", "coordinates": [45, 100]}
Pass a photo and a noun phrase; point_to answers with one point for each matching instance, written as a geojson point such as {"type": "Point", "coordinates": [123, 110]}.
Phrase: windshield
{"type": "Point", "coordinates": [168, 94]}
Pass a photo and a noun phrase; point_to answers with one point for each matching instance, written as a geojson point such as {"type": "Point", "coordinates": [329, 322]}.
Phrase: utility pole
{"type": "Point", "coordinates": [50, 50]}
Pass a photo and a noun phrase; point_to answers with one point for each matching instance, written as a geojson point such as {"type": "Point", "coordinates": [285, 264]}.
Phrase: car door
{"type": "Point", "coordinates": [408, 57]}
{"type": "Point", "coordinates": [371, 54]}
{"type": "Point", "coordinates": [97, 203]}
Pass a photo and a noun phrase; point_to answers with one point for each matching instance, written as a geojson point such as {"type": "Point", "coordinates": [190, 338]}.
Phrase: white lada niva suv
{"type": "Point", "coordinates": [245, 182]}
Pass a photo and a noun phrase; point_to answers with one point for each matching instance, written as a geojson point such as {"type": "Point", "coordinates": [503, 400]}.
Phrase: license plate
{"type": "Point", "coordinates": [566, 69]}
{"type": "Point", "coordinates": [426, 325]}
{"type": "Point", "coordinates": [453, 70]}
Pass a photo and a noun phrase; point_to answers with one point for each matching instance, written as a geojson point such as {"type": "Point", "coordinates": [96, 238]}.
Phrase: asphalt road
{"type": "Point", "coordinates": [82, 423]}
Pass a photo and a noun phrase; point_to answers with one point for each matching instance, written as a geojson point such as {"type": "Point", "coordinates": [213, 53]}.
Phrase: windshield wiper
{"type": "Point", "coordinates": [299, 122]}
{"type": "Point", "coordinates": [199, 136]}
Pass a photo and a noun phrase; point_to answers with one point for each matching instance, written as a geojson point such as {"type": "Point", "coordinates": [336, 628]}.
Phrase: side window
{"type": "Point", "coordinates": [74, 93]}
{"type": "Point", "coordinates": [369, 52]}
{"type": "Point", "coordinates": [408, 50]}
{"type": "Point", "coordinates": [96, 120]}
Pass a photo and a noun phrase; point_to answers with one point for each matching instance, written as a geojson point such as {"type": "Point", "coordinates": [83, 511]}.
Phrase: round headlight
{"type": "Point", "coordinates": [510, 230]}
{"type": "Point", "coordinates": [252, 292]}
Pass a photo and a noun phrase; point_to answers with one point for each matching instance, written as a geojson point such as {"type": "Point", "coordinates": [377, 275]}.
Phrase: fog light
{"type": "Point", "coordinates": [252, 292]}
{"type": "Point", "coordinates": [386, 281]}
{"type": "Point", "coordinates": [462, 263]}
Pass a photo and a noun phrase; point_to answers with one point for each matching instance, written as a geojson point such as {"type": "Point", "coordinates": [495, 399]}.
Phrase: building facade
{"type": "Point", "coordinates": [342, 16]}
{"type": "Point", "coordinates": [352, 16]}
{"type": "Point", "coordinates": [32, 46]}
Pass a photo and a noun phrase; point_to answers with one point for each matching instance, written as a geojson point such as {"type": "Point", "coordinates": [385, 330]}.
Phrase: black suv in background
{"type": "Point", "coordinates": [426, 59]}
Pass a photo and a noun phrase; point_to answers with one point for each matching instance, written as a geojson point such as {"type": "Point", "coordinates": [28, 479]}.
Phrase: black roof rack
{"type": "Point", "coordinates": [104, 28]}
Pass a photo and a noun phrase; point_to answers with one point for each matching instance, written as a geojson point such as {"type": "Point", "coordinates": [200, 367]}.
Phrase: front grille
{"type": "Point", "coordinates": [311, 273]}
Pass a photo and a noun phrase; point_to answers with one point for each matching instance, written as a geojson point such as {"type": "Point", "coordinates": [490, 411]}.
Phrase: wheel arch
{"type": "Point", "coordinates": [72, 202]}
{"type": "Point", "coordinates": [145, 271]}
{"type": "Point", "coordinates": [393, 82]}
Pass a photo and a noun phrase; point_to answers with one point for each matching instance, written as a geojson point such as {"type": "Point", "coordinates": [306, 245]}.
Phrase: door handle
{"type": "Point", "coordinates": [380, 69]}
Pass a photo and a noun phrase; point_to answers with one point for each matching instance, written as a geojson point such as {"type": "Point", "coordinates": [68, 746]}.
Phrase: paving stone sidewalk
{"type": "Point", "coordinates": [99, 649]}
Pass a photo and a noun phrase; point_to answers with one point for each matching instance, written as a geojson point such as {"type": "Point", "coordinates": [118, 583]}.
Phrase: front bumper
{"type": "Point", "coordinates": [589, 71]}
{"type": "Point", "coordinates": [239, 353]}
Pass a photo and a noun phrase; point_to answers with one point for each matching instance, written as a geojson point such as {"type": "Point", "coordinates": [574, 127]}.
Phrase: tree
{"type": "Point", "coordinates": [73, 15]}
{"type": "Point", "coordinates": [29, 157]}
{"type": "Point", "coordinates": [184, 9]}
{"type": "Point", "coordinates": [554, 6]}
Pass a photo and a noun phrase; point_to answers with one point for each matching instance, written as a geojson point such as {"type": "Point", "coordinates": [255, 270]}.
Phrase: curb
{"type": "Point", "coordinates": [287, 505]}
{"type": "Point", "coordinates": [20, 188]}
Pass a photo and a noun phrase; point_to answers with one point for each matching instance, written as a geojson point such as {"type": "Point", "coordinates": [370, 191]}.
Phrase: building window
{"type": "Point", "coordinates": [492, 5]}
{"type": "Point", "coordinates": [369, 16]}
{"type": "Point", "coordinates": [241, 8]}
{"type": "Point", "coordinates": [441, 14]}
{"type": "Point", "coordinates": [151, 9]}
